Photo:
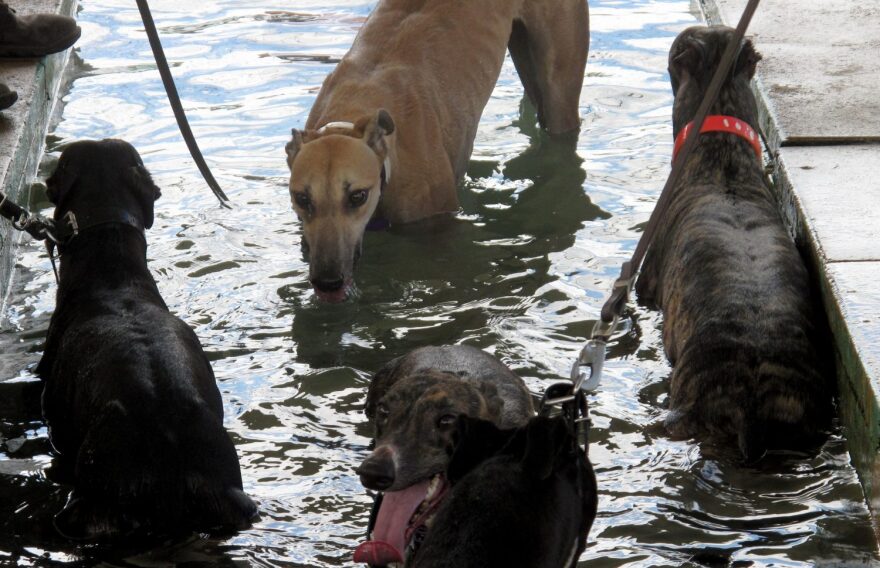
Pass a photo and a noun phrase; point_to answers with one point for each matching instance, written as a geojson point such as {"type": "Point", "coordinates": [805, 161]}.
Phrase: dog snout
{"type": "Point", "coordinates": [377, 471]}
{"type": "Point", "coordinates": [328, 284]}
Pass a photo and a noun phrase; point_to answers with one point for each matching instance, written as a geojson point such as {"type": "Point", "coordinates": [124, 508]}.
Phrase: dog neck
{"type": "Point", "coordinates": [721, 123]}
{"type": "Point", "coordinates": [109, 242]}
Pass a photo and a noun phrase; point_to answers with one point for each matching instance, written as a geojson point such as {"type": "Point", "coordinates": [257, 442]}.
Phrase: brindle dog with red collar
{"type": "Point", "coordinates": [740, 326]}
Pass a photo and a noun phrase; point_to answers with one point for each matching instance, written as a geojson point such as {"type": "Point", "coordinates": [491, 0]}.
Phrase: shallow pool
{"type": "Point", "coordinates": [520, 272]}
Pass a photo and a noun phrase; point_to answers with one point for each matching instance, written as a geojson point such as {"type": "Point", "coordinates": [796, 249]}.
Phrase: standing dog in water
{"type": "Point", "coordinates": [392, 129]}
{"type": "Point", "coordinates": [739, 322]}
{"type": "Point", "coordinates": [414, 403]}
{"type": "Point", "coordinates": [129, 394]}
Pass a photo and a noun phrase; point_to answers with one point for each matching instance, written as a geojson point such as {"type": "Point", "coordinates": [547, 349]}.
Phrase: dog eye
{"type": "Point", "coordinates": [446, 421]}
{"type": "Point", "coordinates": [302, 200]}
{"type": "Point", "coordinates": [357, 198]}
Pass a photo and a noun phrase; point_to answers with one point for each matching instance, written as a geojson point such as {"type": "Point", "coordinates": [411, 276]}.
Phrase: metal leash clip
{"type": "Point", "coordinates": [592, 356]}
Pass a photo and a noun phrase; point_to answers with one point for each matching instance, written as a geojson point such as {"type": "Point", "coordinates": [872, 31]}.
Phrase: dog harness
{"type": "Point", "coordinates": [721, 123]}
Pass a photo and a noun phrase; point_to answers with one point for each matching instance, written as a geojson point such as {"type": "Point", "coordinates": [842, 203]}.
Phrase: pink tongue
{"type": "Point", "coordinates": [396, 511]}
{"type": "Point", "coordinates": [377, 553]}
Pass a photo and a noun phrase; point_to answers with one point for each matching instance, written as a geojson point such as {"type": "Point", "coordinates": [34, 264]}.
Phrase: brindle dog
{"type": "Point", "coordinates": [414, 403]}
{"type": "Point", "coordinates": [739, 322]}
{"type": "Point", "coordinates": [129, 394]}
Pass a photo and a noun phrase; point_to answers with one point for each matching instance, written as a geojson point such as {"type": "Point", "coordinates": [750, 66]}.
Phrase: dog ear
{"type": "Point", "coordinates": [294, 146]}
{"type": "Point", "coordinates": [61, 181]}
{"type": "Point", "coordinates": [375, 129]}
{"type": "Point", "coordinates": [474, 441]}
{"type": "Point", "coordinates": [491, 399]}
{"type": "Point", "coordinates": [747, 59]}
{"type": "Point", "coordinates": [146, 192]}
{"type": "Point", "coordinates": [381, 383]}
{"type": "Point", "coordinates": [689, 56]}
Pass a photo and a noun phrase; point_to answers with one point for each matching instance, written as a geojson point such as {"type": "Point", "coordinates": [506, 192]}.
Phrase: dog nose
{"type": "Point", "coordinates": [377, 473]}
{"type": "Point", "coordinates": [328, 284]}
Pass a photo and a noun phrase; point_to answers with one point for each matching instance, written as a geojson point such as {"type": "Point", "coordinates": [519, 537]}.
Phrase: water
{"type": "Point", "coordinates": [521, 272]}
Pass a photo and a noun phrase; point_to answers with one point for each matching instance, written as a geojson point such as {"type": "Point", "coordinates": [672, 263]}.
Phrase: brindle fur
{"type": "Point", "coordinates": [739, 322]}
{"type": "Point", "coordinates": [408, 397]}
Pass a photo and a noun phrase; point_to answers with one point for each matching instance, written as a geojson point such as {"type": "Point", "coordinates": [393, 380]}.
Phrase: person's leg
{"type": "Point", "coordinates": [7, 97]}
{"type": "Point", "coordinates": [36, 35]}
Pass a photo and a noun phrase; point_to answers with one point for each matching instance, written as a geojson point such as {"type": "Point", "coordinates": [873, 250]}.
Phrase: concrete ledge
{"type": "Point", "coordinates": [825, 165]}
{"type": "Point", "coordinates": [23, 127]}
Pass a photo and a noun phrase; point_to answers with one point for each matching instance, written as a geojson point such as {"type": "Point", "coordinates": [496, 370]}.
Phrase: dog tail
{"type": "Point", "coordinates": [128, 480]}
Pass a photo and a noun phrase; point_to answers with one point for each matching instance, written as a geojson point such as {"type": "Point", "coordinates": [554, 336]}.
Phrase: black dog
{"type": "Point", "coordinates": [129, 394]}
{"type": "Point", "coordinates": [524, 497]}
{"type": "Point", "coordinates": [739, 321]}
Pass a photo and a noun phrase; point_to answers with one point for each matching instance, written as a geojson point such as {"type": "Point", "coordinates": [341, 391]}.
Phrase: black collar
{"type": "Point", "coordinates": [72, 224]}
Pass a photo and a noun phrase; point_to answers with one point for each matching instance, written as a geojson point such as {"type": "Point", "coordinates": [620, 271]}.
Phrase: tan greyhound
{"type": "Point", "coordinates": [393, 127]}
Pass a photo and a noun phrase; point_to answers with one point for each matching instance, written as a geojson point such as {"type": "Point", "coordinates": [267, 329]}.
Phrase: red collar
{"type": "Point", "coordinates": [721, 123]}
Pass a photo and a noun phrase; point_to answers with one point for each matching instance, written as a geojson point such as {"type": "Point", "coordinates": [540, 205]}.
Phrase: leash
{"type": "Point", "coordinates": [57, 235]}
{"type": "Point", "coordinates": [571, 402]}
{"type": "Point", "coordinates": [37, 226]}
{"type": "Point", "coordinates": [176, 106]}
{"type": "Point", "coordinates": [593, 353]}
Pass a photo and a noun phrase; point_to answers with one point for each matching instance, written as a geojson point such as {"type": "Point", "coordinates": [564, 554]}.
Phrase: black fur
{"type": "Point", "coordinates": [130, 397]}
{"type": "Point", "coordinates": [524, 497]}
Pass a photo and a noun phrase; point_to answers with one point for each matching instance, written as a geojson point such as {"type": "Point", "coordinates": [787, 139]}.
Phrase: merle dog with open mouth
{"type": "Point", "coordinates": [414, 403]}
{"type": "Point", "coordinates": [129, 394]}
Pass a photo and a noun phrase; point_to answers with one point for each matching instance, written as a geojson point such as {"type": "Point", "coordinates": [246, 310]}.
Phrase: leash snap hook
{"type": "Point", "coordinates": [69, 220]}
{"type": "Point", "coordinates": [22, 222]}
{"type": "Point", "coordinates": [592, 356]}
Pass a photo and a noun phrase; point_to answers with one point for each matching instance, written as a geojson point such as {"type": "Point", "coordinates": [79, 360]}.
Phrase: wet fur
{"type": "Point", "coordinates": [525, 497]}
{"type": "Point", "coordinates": [129, 395]}
{"type": "Point", "coordinates": [739, 323]}
{"type": "Point", "coordinates": [419, 388]}
{"type": "Point", "coordinates": [414, 85]}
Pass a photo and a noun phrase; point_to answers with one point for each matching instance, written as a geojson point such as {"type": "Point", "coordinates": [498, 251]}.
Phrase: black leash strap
{"type": "Point", "coordinates": [572, 405]}
{"type": "Point", "coordinates": [36, 226]}
{"type": "Point", "coordinates": [176, 106]}
{"type": "Point", "coordinates": [615, 305]}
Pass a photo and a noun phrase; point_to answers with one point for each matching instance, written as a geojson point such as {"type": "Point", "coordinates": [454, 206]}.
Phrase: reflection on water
{"type": "Point", "coordinates": [521, 272]}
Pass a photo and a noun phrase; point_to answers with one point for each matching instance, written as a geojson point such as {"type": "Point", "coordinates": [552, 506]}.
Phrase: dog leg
{"type": "Point", "coordinates": [548, 45]}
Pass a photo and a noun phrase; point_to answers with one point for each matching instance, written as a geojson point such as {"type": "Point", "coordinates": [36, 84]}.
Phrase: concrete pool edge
{"type": "Point", "coordinates": [24, 127]}
{"type": "Point", "coordinates": [825, 188]}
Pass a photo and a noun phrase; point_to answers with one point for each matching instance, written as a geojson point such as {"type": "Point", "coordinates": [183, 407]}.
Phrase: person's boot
{"type": "Point", "coordinates": [34, 36]}
{"type": "Point", "coordinates": [7, 97]}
